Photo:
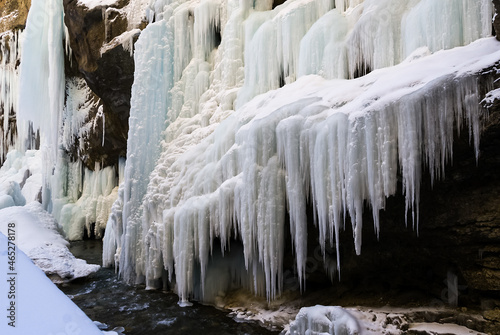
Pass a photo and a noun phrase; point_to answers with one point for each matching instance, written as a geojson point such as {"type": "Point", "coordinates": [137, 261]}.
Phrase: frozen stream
{"type": "Point", "coordinates": [104, 298]}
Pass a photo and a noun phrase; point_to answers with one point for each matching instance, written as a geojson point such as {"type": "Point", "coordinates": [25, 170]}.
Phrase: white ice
{"type": "Point", "coordinates": [209, 159]}
{"type": "Point", "coordinates": [10, 51]}
{"type": "Point", "coordinates": [323, 320]}
{"type": "Point", "coordinates": [217, 151]}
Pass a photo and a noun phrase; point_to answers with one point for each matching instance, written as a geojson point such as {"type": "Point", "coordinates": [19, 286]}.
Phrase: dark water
{"type": "Point", "coordinates": [106, 299]}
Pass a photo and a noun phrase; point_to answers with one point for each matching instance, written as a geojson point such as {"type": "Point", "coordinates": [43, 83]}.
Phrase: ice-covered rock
{"type": "Point", "coordinates": [323, 320]}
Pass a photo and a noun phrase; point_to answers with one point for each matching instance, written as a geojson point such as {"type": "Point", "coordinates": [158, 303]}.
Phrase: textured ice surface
{"type": "Point", "coordinates": [210, 160]}
{"type": "Point", "coordinates": [218, 152]}
{"type": "Point", "coordinates": [323, 320]}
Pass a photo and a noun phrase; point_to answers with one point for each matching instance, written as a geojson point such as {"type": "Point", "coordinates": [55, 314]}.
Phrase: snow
{"type": "Point", "coordinates": [40, 307]}
{"type": "Point", "coordinates": [21, 177]}
{"type": "Point", "coordinates": [445, 328]}
{"type": "Point", "coordinates": [368, 321]}
{"type": "Point", "coordinates": [126, 39]}
{"type": "Point", "coordinates": [321, 320]}
{"type": "Point", "coordinates": [91, 4]}
{"type": "Point", "coordinates": [39, 236]}
{"type": "Point", "coordinates": [218, 151]}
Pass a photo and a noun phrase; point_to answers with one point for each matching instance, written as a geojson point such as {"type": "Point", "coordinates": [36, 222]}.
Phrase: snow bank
{"type": "Point", "coordinates": [38, 235]}
{"type": "Point", "coordinates": [40, 307]}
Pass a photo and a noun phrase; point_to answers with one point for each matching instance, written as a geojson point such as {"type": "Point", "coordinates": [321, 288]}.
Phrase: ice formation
{"type": "Point", "coordinates": [40, 307]}
{"type": "Point", "coordinates": [243, 115]}
{"type": "Point", "coordinates": [9, 75]}
{"type": "Point", "coordinates": [211, 161]}
{"type": "Point", "coordinates": [322, 320]}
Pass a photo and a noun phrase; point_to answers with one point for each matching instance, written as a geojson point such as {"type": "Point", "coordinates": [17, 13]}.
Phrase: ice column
{"type": "Point", "coordinates": [42, 81]}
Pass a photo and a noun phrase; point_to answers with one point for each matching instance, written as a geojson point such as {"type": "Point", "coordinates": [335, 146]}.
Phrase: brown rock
{"type": "Point", "coordinates": [14, 14]}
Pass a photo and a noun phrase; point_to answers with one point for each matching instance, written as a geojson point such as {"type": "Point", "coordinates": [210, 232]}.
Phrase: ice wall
{"type": "Point", "coordinates": [210, 160]}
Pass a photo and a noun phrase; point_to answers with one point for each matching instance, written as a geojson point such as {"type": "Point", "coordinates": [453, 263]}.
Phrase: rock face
{"type": "Point", "coordinates": [13, 14]}
{"type": "Point", "coordinates": [108, 71]}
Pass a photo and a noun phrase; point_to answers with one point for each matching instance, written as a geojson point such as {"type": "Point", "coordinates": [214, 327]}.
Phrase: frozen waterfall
{"type": "Point", "coordinates": [55, 107]}
{"type": "Point", "coordinates": [249, 123]}
{"type": "Point", "coordinates": [219, 152]}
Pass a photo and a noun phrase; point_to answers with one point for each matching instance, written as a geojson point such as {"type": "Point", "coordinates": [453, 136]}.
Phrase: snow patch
{"type": "Point", "coordinates": [91, 4]}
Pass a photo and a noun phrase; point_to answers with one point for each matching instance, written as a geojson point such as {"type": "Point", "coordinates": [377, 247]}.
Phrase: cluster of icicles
{"type": "Point", "coordinates": [231, 164]}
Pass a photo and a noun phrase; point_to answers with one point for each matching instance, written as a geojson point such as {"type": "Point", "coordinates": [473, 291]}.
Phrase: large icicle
{"type": "Point", "coordinates": [150, 103]}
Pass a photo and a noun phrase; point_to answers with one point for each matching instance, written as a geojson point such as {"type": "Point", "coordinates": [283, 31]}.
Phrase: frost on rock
{"type": "Point", "coordinates": [215, 172]}
{"type": "Point", "coordinates": [323, 320]}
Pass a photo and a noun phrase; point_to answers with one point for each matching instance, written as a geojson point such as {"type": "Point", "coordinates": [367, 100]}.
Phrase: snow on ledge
{"type": "Point", "coordinates": [37, 234]}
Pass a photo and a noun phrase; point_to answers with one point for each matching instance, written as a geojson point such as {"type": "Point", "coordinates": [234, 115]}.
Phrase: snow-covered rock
{"type": "Point", "coordinates": [39, 236]}
{"type": "Point", "coordinates": [323, 320]}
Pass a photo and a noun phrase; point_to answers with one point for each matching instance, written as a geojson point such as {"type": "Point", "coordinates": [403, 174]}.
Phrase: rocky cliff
{"type": "Point", "coordinates": [104, 58]}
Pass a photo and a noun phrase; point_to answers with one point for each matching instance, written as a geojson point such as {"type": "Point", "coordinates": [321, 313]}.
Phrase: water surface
{"type": "Point", "coordinates": [104, 298]}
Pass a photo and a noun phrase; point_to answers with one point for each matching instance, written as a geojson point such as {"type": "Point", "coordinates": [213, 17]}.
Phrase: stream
{"type": "Point", "coordinates": [105, 298]}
